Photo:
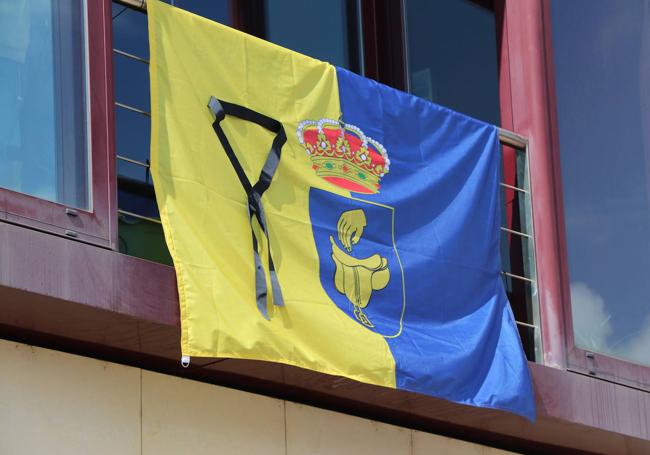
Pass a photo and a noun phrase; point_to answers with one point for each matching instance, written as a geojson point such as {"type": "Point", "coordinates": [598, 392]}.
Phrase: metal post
{"type": "Point", "coordinates": [135, 4]}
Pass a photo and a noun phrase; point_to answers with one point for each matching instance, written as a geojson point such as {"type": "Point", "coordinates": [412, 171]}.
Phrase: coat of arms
{"type": "Point", "coordinates": [360, 268]}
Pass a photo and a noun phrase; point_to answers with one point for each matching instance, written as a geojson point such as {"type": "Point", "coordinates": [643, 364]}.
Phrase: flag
{"type": "Point", "coordinates": [320, 219]}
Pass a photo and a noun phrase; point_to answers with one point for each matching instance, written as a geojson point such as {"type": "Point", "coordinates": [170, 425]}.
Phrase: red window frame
{"type": "Point", "coordinates": [384, 42]}
{"type": "Point", "coordinates": [97, 226]}
{"type": "Point", "coordinates": [528, 106]}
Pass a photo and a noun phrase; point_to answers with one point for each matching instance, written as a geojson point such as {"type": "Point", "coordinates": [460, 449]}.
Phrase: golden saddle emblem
{"type": "Point", "coordinates": [357, 278]}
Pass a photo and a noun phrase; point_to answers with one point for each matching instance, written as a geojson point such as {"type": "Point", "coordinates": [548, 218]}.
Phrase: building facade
{"type": "Point", "coordinates": [86, 279]}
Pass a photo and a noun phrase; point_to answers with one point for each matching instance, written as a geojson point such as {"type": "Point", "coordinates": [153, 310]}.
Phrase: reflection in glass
{"type": "Point", "coordinates": [43, 149]}
{"type": "Point", "coordinates": [602, 70]}
{"type": "Point", "coordinates": [318, 29]}
{"type": "Point", "coordinates": [452, 56]}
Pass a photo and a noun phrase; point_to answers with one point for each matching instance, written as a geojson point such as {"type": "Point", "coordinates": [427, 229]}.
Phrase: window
{"type": "Point", "coordinates": [452, 56]}
{"type": "Point", "coordinates": [42, 106]}
{"type": "Point", "coordinates": [327, 31]}
{"type": "Point", "coordinates": [602, 72]}
{"type": "Point", "coordinates": [52, 163]}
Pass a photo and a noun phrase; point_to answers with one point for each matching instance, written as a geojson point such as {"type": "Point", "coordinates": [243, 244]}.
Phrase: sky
{"type": "Point", "coordinates": [602, 70]}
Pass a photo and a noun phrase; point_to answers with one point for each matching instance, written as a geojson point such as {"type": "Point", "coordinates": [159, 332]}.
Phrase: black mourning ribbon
{"type": "Point", "coordinates": [254, 192]}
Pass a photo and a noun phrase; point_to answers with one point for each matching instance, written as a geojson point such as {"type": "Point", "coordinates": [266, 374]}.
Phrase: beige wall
{"type": "Point", "coordinates": [56, 403]}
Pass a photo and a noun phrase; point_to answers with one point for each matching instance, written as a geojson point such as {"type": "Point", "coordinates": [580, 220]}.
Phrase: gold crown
{"type": "Point", "coordinates": [343, 155]}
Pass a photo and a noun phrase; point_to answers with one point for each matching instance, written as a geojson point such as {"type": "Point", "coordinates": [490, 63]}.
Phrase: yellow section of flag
{"type": "Point", "coordinates": [203, 205]}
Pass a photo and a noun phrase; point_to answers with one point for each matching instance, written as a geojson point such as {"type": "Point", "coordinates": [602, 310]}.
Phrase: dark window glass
{"type": "Point", "coordinates": [602, 71]}
{"type": "Point", "coordinates": [218, 11]}
{"type": "Point", "coordinates": [43, 150]}
{"type": "Point", "coordinates": [323, 30]}
{"type": "Point", "coordinates": [452, 56]}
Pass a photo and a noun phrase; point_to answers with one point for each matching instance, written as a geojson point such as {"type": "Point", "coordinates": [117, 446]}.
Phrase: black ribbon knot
{"type": "Point", "coordinates": [259, 230]}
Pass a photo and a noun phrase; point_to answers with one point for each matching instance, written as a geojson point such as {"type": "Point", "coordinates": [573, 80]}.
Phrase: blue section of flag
{"type": "Point", "coordinates": [459, 339]}
{"type": "Point", "coordinates": [386, 306]}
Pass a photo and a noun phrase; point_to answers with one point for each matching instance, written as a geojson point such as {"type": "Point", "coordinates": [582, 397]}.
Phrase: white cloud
{"type": "Point", "coordinates": [637, 346]}
{"type": "Point", "coordinates": [591, 322]}
{"type": "Point", "coordinates": [593, 330]}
